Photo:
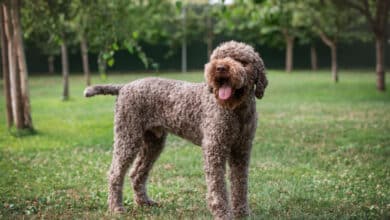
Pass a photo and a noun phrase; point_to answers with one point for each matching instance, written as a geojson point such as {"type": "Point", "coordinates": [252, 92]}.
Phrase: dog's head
{"type": "Point", "coordinates": [235, 72]}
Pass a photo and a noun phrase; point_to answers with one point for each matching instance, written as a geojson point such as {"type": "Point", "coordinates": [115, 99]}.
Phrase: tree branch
{"type": "Point", "coordinates": [329, 42]}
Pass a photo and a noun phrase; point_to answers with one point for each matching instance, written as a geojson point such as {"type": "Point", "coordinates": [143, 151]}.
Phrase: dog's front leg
{"type": "Point", "coordinates": [239, 163]}
{"type": "Point", "coordinates": [215, 167]}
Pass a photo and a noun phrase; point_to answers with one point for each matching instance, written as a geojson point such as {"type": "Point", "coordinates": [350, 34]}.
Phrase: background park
{"type": "Point", "coordinates": [322, 146]}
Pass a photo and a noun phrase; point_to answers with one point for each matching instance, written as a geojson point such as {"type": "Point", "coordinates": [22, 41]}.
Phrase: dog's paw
{"type": "Point", "coordinates": [146, 202]}
{"type": "Point", "coordinates": [241, 213]}
{"type": "Point", "coordinates": [117, 210]}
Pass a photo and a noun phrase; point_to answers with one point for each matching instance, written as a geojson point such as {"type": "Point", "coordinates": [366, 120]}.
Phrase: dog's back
{"type": "Point", "coordinates": [173, 105]}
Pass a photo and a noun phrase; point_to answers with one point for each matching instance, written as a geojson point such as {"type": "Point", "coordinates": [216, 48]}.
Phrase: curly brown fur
{"type": "Point", "coordinates": [109, 89]}
{"type": "Point", "coordinates": [219, 115]}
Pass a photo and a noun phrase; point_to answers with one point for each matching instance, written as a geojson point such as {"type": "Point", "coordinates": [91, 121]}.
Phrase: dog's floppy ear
{"type": "Point", "coordinates": [261, 81]}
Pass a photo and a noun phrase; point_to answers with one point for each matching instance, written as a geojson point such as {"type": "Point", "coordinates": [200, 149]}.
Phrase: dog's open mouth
{"type": "Point", "coordinates": [225, 92]}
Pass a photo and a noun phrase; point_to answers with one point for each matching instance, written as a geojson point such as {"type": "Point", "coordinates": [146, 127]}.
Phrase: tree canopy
{"type": "Point", "coordinates": [107, 27]}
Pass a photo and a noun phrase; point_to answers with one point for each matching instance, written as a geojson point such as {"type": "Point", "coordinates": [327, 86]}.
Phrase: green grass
{"type": "Point", "coordinates": [321, 151]}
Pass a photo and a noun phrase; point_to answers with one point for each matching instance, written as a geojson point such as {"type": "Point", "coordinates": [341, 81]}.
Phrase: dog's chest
{"type": "Point", "coordinates": [247, 120]}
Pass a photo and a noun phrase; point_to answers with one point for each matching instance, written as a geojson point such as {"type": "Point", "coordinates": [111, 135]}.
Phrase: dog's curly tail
{"type": "Point", "coordinates": [108, 89]}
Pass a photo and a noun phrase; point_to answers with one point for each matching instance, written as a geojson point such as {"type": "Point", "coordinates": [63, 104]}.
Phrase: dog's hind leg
{"type": "Point", "coordinates": [128, 141]}
{"type": "Point", "coordinates": [121, 161]}
{"type": "Point", "coordinates": [154, 141]}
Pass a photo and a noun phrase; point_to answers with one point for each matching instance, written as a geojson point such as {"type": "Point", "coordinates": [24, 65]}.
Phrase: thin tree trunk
{"type": "Point", "coordinates": [335, 74]}
{"type": "Point", "coordinates": [50, 62]}
{"type": "Point", "coordinates": [332, 44]}
{"type": "Point", "coordinates": [184, 43]}
{"type": "Point", "coordinates": [209, 47]}
{"type": "Point", "coordinates": [21, 61]}
{"type": "Point", "coordinates": [84, 54]}
{"type": "Point", "coordinates": [184, 56]}
{"type": "Point", "coordinates": [16, 93]}
{"type": "Point", "coordinates": [313, 57]}
{"type": "Point", "coordinates": [289, 51]}
{"type": "Point", "coordinates": [380, 62]}
{"type": "Point", "coordinates": [6, 75]}
{"type": "Point", "coordinates": [209, 40]}
{"type": "Point", "coordinates": [65, 70]}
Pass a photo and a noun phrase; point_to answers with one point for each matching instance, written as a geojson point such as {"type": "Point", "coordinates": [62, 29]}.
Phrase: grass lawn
{"type": "Point", "coordinates": [322, 150]}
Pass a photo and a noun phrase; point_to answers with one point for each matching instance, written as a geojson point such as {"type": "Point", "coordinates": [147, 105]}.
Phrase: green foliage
{"type": "Point", "coordinates": [277, 18]}
{"type": "Point", "coordinates": [337, 22]}
{"type": "Point", "coordinates": [264, 22]}
{"type": "Point", "coordinates": [320, 152]}
{"type": "Point", "coordinates": [45, 23]}
{"type": "Point", "coordinates": [240, 21]}
{"type": "Point", "coordinates": [129, 24]}
{"type": "Point", "coordinates": [107, 26]}
{"type": "Point", "coordinates": [118, 25]}
{"type": "Point", "coordinates": [186, 22]}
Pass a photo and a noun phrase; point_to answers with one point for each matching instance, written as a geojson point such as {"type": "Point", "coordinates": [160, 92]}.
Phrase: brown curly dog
{"type": "Point", "coordinates": [219, 115]}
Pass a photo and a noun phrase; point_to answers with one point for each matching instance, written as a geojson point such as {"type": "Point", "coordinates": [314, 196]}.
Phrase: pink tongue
{"type": "Point", "coordinates": [224, 92]}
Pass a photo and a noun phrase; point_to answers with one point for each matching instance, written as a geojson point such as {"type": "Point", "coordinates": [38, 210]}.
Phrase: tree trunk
{"type": "Point", "coordinates": [289, 52]}
{"type": "Point", "coordinates": [335, 74]}
{"type": "Point", "coordinates": [184, 56]}
{"type": "Point", "coordinates": [209, 37]}
{"type": "Point", "coordinates": [16, 93]}
{"type": "Point", "coordinates": [332, 44]}
{"type": "Point", "coordinates": [209, 47]}
{"type": "Point", "coordinates": [21, 61]}
{"type": "Point", "coordinates": [50, 62]}
{"type": "Point", "coordinates": [84, 54]}
{"type": "Point", "coordinates": [313, 57]}
{"type": "Point", "coordinates": [380, 62]}
{"type": "Point", "coordinates": [5, 69]}
{"type": "Point", "coordinates": [378, 21]}
{"type": "Point", "coordinates": [184, 43]}
{"type": "Point", "coordinates": [65, 69]}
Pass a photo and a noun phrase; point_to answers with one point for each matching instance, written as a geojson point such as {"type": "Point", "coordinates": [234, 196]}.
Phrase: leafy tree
{"type": "Point", "coordinates": [96, 25]}
{"type": "Point", "coordinates": [80, 25]}
{"type": "Point", "coordinates": [276, 18]}
{"type": "Point", "coordinates": [306, 36]}
{"type": "Point", "coordinates": [241, 21]}
{"type": "Point", "coordinates": [209, 18]}
{"type": "Point", "coordinates": [53, 19]}
{"type": "Point", "coordinates": [37, 31]}
{"type": "Point", "coordinates": [376, 13]}
{"type": "Point", "coordinates": [122, 24]}
{"type": "Point", "coordinates": [331, 22]}
{"type": "Point", "coordinates": [266, 22]}
{"type": "Point", "coordinates": [185, 25]}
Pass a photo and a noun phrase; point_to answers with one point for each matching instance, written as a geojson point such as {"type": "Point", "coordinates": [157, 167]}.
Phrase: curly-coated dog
{"type": "Point", "coordinates": [219, 115]}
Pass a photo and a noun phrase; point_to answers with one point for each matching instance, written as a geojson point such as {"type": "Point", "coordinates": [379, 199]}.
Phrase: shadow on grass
{"type": "Point", "coordinates": [20, 133]}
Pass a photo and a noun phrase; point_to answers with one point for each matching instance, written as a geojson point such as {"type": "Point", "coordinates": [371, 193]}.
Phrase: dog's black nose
{"type": "Point", "coordinates": [221, 68]}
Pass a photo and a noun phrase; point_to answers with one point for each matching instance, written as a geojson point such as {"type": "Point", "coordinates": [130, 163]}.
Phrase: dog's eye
{"type": "Point", "coordinates": [244, 63]}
